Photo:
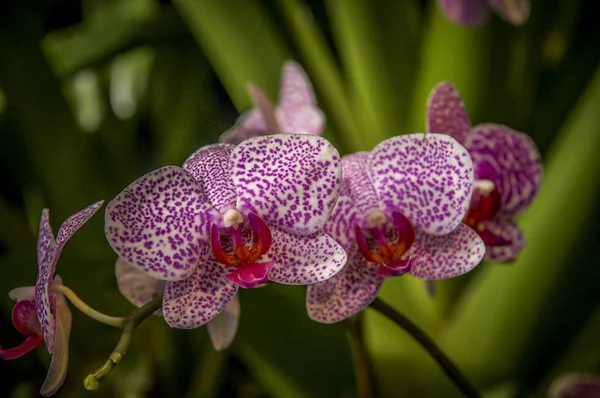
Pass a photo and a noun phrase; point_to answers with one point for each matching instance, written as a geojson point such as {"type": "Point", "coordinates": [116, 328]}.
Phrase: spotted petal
{"type": "Point", "coordinates": [298, 112]}
{"type": "Point", "coordinates": [446, 113]}
{"type": "Point", "coordinates": [210, 167]}
{"type": "Point", "coordinates": [192, 302]}
{"type": "Point", "coordinates": [47, 267]}
{"type": "Point", "coordinates": [302, 260]}
{"type": "Point", "coordinates": [158, 223]}
{"type": "Point", "coordinates": [466, 12]}
{"type": "Point", "coordinates": [510, 160]}
{"type": "Point", "coordinates": [223, 327]}
{"type": "Point", "coordinates": [507, 230]}
{"type": "Point", "coordinates": [427, 179]}
{"type": "Point", "coordinates": [60, 356]}
{"type": "Point", "coordinates": [445, 256]}
{"type": "Point", "coordinates": [290, 180]}
{"type": "Point", "coordinates": [45, 235]}
{"type": "Point", "coordinates": [575, 385]}
{"type": "Point", "coordinates": [346, 293]}
{"type": "Point", "coordinates": [137, 286]}
{"type": "Point", "coordinates": [515, 12]}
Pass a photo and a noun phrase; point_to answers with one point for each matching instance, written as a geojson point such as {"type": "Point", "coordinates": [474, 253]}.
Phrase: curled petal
{"type": "Point", "coordinates": [22, 293]}
{"type": "Point", "coordinates": [262, 233]}
{"type": "Point", "coordinates": [509, 232]}
{"type": "Point", "coordinates": [515, 12]}
{"type": "Point", "coordinates": [223, 327]}
{"type": "Point", "coordinates": [575, 385]}
{"type": "Point", "coordinates": [45, 235]}
{"type": "Point", "coordinates": [298, 111]}
{"type": "Point", "coordinates": [60, 356]}
{"type": "Point", "coordinates": [251, 275]}
{"type": "Point", "coordinates": [446, 113]}
{"type": "Point", "coordinates": [302, 260]}
{"type": "Point", "coordinates": [510, 160]}
{"type": "Point", "coordinates": [348, 292]}
{"type": "Point", "coordinates": [194, 301]}
{"type": "Point", "coordinates": [135, 285]}
{"type": "Point", "coordinates": [158, 223]}
{"type": "Point", "coordinates": [30, 344]}
{"type": "Point", "coordinates": [446, 256]}
{"type": "Point", "coordinates": [210, 166]}
{"type": "Point", "coordinates": [289, 180]}
{"type": "Point", "coordinates": [74, 222]}
{"type": "Point", "coordinates": [467, 12]}
{"type": "Point", "coordinates": [429, 179]}
{"type": "Point", "coordinates": [250, 124]}
{"type": "Point", "coordinates": [24, 318]}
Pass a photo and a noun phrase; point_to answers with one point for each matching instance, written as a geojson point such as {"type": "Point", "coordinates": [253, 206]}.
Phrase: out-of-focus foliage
{"type": "Point", "coordinates": [94, 93]}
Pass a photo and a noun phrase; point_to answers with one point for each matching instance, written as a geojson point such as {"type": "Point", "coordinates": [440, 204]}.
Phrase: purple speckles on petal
{"type": "Point", "coordinates": [360, 187]}
{"type": "Point", "coordinates": [427, 179]}
{"type": "Point", "coordinates": [508, 231]}
{"type": "Point", "coordinates": [192, 302]}
{"type": "Point", "coordinates": [45, 235]}
{"type": "Point", "coordinates": [510, 160]}
{"type": "Point", "coordinates": [74, 222]}
{"type": "Point", "coordinates": [446, 113]}
{"type": "Point", "coordinates": [290, 180]}
{"type": "Point", "coordinates": [210, 166]}
{"type": "Point", "coordinates": [346, 293]}
{"type": "Point", "coordinates": [302, 260]}
{"type": "Point", "coordinates": [158, 223]}
{"type": "Point", "coordinates": [447, 256]}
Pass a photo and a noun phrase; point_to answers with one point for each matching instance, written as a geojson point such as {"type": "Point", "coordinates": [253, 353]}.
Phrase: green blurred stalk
{"type": "Point", "coordinates": [360, 36]}
{"type": "Point", "coordinates": [240, 41]}
{"type": "Point", "coordinates": [323, 69]}
{"type": "Point", "coordinates": [500, 310]}
{"type": "Point", "coordinates": [453, 53]}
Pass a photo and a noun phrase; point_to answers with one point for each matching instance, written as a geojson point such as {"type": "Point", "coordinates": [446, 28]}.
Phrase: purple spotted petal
{"type": "Point", "coordinates": [158, 223]}
{"type": "Point", "coordinates": [515, 12]}
{"type": "Point", "coordinates": [210, 167]}
{"type": "Point", "coordinates": [137, 286]}
{"type": "Point", "coordinates": [344, 218]}
{"type": "Point", "coordinates": [510, 160]}
{"type": "Point", "coordinates": [250, 124]}
{"type": "Point", "coordinates": [194, 301]}
{"type": "Point", "coordinates": [445, 256]}
{"type": "Point", "coordinates": [446, 113]}
{"type": "Point", "coordinates": [356, 178]}
{"type": "Point", "coordinates": [60, 355]}
{"type": "Point", "coordinates": [427, 179]}
{"type": "Point", "coordinates": [48, 266]}
{"type": "Point", "coordinates": [575, 385]}
{"type": "Point", "coordinates": [508, 231]}
{"type": "Point", "coordinates": [302, 260]}
{"type": "Point", "coordinates": [348, 292]}
{"type": "Point", "coordinates": [466, 12]}
{"type": "Point", "coordinates": [298, 112]}
{"type": "Point", "coordinates": [45, 235]}
{"type": "Point", "coordinates": [223, 327]}
{"type": "Point", "coordinates": [289, 180]}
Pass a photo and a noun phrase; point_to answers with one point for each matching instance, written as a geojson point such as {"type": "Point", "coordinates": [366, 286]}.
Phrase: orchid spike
{"type": "Point", "coordinates": [399, 212]}
{"type": "Point", "coordinates": [233, 216]}
{"type": "Point", "coordinates": [140, 288]}
{"type": "Point", "coordinates": [575, 385]}
{"type": "Point", "coordinates": [41, 315]}
{"type": "Point", "coordinates": [476, 12]}
{"type": "Point", "coordinates": [508, 171]}
{"type": "Point", "coordinates": [297, 111]}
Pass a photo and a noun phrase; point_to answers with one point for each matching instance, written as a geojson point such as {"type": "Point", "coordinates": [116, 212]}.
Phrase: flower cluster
{"type": "Point", "coordinates": [275, 202]}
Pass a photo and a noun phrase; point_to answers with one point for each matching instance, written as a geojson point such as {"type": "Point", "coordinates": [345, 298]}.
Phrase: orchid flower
{"type": "Point", "coordinates": [139, 288]}
{"type": "Point", "coordinates": [475, 12]}
{"type": "Point", "coordinates": [297, 111]}
{"type": "Point", "coordinates": [399, 212]}
{"type": "Point", "coordinates": [233, 216]}
{"type": "Point", "coordinates": [41, 315]}
{"type": "Point", "coordinates": [508, 171]}
{"type": "Point", "coordinates": [575, 385]}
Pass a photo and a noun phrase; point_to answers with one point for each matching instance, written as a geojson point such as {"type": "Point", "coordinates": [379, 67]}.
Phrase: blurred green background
{"type": "Point", "coordinates": [94, 93]}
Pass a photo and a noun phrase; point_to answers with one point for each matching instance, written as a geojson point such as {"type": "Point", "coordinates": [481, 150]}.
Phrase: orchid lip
{"type": "Point", "coordinates": [396, 269]}
{"type": "Point", "coordinates": [251, 275]}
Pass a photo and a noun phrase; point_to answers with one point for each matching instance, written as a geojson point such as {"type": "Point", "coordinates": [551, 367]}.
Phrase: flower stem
{"type": "Point", "coordinates": [426, 342]}
{"type": "Point", "coordinates": [116, 321]}
{"type": "Point", "coordinates": [92, 381]}
{"type": "Point", "coordinates": [360, 358]}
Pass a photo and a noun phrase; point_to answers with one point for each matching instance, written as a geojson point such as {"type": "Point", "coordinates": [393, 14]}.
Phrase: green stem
{"type": "Point", "coordinates": [426, 342]}
{"type": "Point", "coordinates": [116, 321]}
{"type": "Point", "coordinates": [360, 358]}
{"type": "Point", "coordinates": [92, 381]}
